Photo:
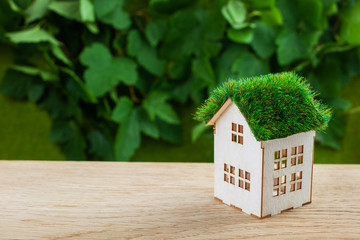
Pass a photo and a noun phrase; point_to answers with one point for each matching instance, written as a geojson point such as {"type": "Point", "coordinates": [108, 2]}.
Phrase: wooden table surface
{"type": "Point", "coordinates": [110, 200]}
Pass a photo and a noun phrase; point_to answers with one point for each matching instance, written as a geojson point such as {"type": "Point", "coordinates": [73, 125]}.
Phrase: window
{"type": "Point", "coordinates": [276, 181]}
{"type": "Point", "coordinates": [237, 133]}
{"type": "Point", "coordinates": [229, 177]}
{"type": "Point", "coordinates": [276, 160]}
{"type": "Point", "coordinates": [280, 159]}
{"type": "Point", "coordinates": [226, 177]}
{"type": "Point", "coordinates": [277, 155]}
{"type": "Point", "coordinates": [244, 179]}
{"type": "Point", "coordinates": [300, 159]}
{"type": "Point", "coordinates": [297, 155]}
{"type": "Point", "coordinates": [296, 181]}
{"type": "Point", "coordinates": [241, 183]}
{"type": "Point", "coordinates": [241, 173]}
{"type": "Point", "coordinates": [293, 161]}
{"type": "Point", "coordinates": [279, 186]}
{"type": "Point", "coordinates": [226, 168]}
{"type": "Point", "coordinates": [232, 170]}
{"type": "Point", "coordinates": [301, 149]}
{"type": "Point", "coordinates": [247, 175]}
{"type": "Point", "coordinates": [247, 186]}
{"type": "Point", "coordinates": [232, 180]}
{"type": "Point", "coordinates": [293, 177]}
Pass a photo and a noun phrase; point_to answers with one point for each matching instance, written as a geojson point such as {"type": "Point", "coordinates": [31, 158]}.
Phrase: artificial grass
{"type": "Point", "coordinates": [274, 105]}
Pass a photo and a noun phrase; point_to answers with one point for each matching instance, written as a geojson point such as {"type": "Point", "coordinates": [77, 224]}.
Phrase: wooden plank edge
{"type": "Point", "coordinates": [262, 180]}
{"type": "Point", "coordinates": [235, 207]}
{"type": "Point", "coordinates": [306, 203]}
{"type": "Point", "coordinates": [285, 210]}
{"type": "Point", "coordinates": [312, 168]}
{"type": "Point", "coordinates": [253, 215]}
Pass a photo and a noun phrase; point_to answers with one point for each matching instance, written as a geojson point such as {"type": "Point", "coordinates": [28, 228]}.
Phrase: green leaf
{"type": "Point", "coordinates": [244, 35]}
{"type": "Point", "coordinates": [45, 75]}
{"type": "Point", "coordinates": [193, 32]}
{"type": "Point", "coordinates": [100, 145]}
{"type": "Point", "coordinates": [59, 54]}
{"type": "Point", "coordinates": [167, 6]}
{"type": "Point", "coordinates": [235, 13]}
{"type": "Point", "coordinates": [148, 127]}
{"type": "Point", "coordinates": [149, 60]}
{"type": "Point", "coordinates": [202, 68]}
{"type": "Point", "coordinates": [36, 91]}
{"type": "Point", "coordinates": [67, 9]}
{"type": "Point", "coordinates": [311, 11]}
{"type": "Point", "coordinates": [32, 35]}
{"type": "Point", "coordinates": [122, 110]}
{"type": "Point", "coordinates": [87, 11]}
{"type": "Point", "coordinates": [23, 4]}
{"type": "Point", "coordinates": [113, 13]}
{"type": "Point", "coordinates": [289, 12]}
{"type": "Point", "coordinates": [128, 137]}
{"type": "Point", "coordinates": [178, 68]}
{"type": "Point", "coordinates": [126, 70]}
{"type": "Point", "coordinates": [224, 62]}
{"type": "Point", "coordinates": [263, 41]}
{"type": "Point", "coordinates": [135, 43]}
{"type": "Point", "coordinates": [169, 132]}
{"type": "Point", "coordinates": [249, 65]}
{"type": "Point", "coordinates": [15, 84]}
{"type": "Point", "coordinates": [272, 17]}
{"type": "Point", "coordinates": [263, 3]}
{"type": "Point", "coordinates": [58, 105]}
{"type": "Point", "coordinates": [350, 25]}
{"type": "Point", "coordinates": [327, 79]}
{"type": "Point", "coordinates": [36, 10]}
{"type": "Point", "coordinates": [81, 87]}
{"type": "Point", "coordinates": [155, 104]}
{"type": "Point", "coordinates": [197, 131]}
{"type": "Point", "coordinates": [291, 47]}
{"type": "Point", "coordinates": [70, 138]}
{"type": "Point", "coordinates": [145, 54]}
{"type": "Point", "coordinates": [333, 135]}
{"type": "Point", "coordinates": [155, 31]}
{"type": "Point", "coordinates": [82, 11]}
{"type": "Point", "coordinates": [103, 72]}
{"type": "Point", "coordinates": [95, 54]}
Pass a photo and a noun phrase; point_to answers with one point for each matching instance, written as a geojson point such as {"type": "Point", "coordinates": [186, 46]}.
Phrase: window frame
{"type": "Point", "coordinates": [237, 133]}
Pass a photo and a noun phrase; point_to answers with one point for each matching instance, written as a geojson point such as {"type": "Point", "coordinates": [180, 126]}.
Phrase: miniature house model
{"type": "Point", "coordinates": [264, 131]}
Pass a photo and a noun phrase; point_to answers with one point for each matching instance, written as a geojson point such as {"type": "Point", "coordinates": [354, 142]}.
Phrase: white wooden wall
{"type": "Point", "coordinates": [274, 205]}
{"type": "Point", "coordinates": [247, 157]}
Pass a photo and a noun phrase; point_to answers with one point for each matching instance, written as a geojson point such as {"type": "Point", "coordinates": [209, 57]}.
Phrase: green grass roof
{"type": "Point", "coordinates": [274, 105]}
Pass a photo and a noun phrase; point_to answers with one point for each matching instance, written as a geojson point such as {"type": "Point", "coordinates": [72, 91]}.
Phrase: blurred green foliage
{"type": "Point", "coordinates": [110, 73]}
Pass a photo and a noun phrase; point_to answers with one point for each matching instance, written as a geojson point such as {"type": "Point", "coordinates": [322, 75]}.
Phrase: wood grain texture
{"type": "Point", "coordinates": [108, 200]}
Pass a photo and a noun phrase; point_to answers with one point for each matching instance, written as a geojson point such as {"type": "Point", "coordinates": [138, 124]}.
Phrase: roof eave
{"type": "Point", "coordinates": [219, 112]}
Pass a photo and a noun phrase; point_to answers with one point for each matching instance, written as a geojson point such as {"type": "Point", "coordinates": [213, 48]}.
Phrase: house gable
{"type": "Point", "coordinates": [239, 159]}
